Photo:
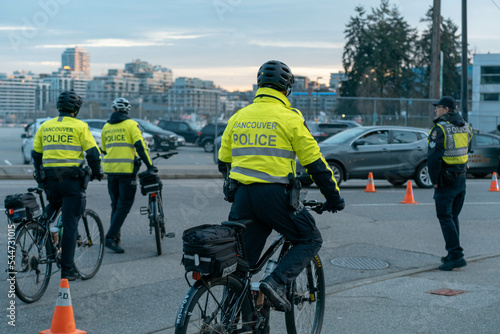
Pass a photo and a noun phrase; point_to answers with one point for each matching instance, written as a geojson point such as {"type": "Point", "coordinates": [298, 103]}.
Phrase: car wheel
{"type": "Point", "coordinates": [208, 145]}
{"type": "Point", "coordinates": [157, 146]}
{"type": "Point", "coordinates": [479, 175]}
{"type": "Point", "coordinates": [397, 182]}
{"type": "Point", "coordinates": [422, 177]}
{"type": "Point", "coordinates": [338, 174]}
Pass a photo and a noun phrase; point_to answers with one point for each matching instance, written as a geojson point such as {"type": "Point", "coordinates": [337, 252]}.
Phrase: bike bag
{"type": "Point", "coordinates": [150, 183]}
{"type": "Point", "coordinates": [210, 250]}
{"type": "Point", "coordinates": [21, 207]}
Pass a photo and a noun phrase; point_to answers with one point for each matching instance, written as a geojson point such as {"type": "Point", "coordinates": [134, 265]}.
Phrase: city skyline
{"type": "Point", "coordinates": [224, 41]}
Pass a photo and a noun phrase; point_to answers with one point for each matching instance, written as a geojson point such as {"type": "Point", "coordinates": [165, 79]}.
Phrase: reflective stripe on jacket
{"type": "Point", "coordinates": [62, 141]}
{"type": "Point", "coordinates": [117, 140]}
{"type": "Point", "coordinates": [262, 140]}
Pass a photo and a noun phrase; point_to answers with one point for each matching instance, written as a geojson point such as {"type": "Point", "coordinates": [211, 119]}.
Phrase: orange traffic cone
{"type": "Point", "coordinates": [63, 321]}
{"type": "Point", "coordinates": [494, 183]}
{"type": "Point", "coordinates": [370, 186]}
{"type": "Point", "coordinates": [409, 195]}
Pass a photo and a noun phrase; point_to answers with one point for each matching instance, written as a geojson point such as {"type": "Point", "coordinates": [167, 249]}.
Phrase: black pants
{"type": "Point", "coordinates": [122, 189]}
{"type": "Point", "coordinates": [449, 201]}
{"type": "Point", "coordinates": [69, 195]}
{"type": "Point", "coordinates": [267, 205]}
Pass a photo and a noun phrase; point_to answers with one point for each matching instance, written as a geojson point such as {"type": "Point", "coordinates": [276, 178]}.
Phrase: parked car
{"type": "Point", "coordinates": [322, 131]}
{"type": "Point", "coordinates": [30, 131]}
{"type": "Point", "coordinates": [207, 135]}
{"type": "Point", "coordinates": [393, 153]}
{"type": "Point", "coordinates": [97, 125]}
{"type": "Point", "coordinates": [484, 155]}
{"type": "Point", "coordinates": [162, 139]}
{"type": "Point", "coordinates": [188, 130]}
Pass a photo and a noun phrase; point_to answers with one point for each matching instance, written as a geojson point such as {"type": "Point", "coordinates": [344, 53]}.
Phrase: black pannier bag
{"type": "Point", "coordinates": [21, 207]}
{"type": "Point", "coordinates": [210, 250]}
{"type": "Point", "coordinates": [150, 183]}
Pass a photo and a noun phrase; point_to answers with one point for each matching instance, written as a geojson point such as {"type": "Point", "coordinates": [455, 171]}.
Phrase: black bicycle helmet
{"type": "Point", "coordinates": [276, 75]}
{"type": "Point", "coordinates": [69, 101]}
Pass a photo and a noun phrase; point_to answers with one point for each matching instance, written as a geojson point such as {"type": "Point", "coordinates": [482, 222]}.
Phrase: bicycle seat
{"type": "Point", "coordinates": [239, 225]}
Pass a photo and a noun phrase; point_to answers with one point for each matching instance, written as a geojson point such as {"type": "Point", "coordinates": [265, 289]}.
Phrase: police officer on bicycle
{"type": "Point", "coordinates": [257, 153]}
{"type": "Point", "coordinates": [58, 157]}
{"type": "Point", "coordinates": [123, 145]}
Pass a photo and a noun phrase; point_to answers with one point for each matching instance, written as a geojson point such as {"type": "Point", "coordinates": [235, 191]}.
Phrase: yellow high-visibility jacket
{"type": "Point", "coordinates": [117, 140]}
{"type": "Point", "coordinates": [62, 141]}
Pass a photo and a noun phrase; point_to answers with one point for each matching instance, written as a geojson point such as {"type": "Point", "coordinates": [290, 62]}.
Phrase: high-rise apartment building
{"type": "Point", "coordinates": [76, 59]}
{"type": "Point", "coordinates": [22, 93]}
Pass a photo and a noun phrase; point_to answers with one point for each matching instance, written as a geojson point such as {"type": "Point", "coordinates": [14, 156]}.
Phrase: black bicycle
{"type": "Point", "coordinates": [151, 185]}
{"type": "Point", "coordinates": [233, 304]}
{"type": "Point", "coordinates": [37, 248]}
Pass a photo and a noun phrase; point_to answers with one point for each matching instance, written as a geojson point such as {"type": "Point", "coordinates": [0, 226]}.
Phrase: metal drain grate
{"type": "Point", "coordinates": [359, 263]}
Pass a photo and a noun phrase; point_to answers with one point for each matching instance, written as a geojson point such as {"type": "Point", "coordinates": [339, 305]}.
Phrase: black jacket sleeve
{"type": "Point", "coordinates": [142, 153]}
{"type": "Point", "coordinates": [435, 153]}
{"type": "Point", "coordinates": [323, 178]}
{"type": "Point", "coordinates": [94, 160]}
{"type": "Point", "coordinates": [224, 168]}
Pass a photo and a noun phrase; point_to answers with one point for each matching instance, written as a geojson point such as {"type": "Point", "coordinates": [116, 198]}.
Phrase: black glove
{"type": "Point", "coordinates": [96, 176]}
{"type": "Point", "coordinates": [152, 169]}
{"type": "Point", "coordinates": [39, 180]}
{"type": "Point", "coordinates": [339, 206]}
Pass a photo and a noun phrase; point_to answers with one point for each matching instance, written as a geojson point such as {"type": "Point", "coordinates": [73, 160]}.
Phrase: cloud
{"type": "Point", "coordinates": [13, 28]}
{"type": "Point", "coordinates": [298, 44]}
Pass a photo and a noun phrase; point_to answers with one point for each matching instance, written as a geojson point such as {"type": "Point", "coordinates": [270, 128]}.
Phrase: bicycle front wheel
{"type": "Point", "coordinates": [155, 222]}
{"type": "Point", "coordinates": [32, 267]}
{"type": "Point", "coordinates": [307, 295]}
{"type": "Point", "coordinates": [89, 245]}
{"type": "Point", "coordinates": [207, 308]}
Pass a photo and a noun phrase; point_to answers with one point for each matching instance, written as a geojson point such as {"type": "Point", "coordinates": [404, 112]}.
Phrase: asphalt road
{"type": "Point", "coordinates": [140, 292]}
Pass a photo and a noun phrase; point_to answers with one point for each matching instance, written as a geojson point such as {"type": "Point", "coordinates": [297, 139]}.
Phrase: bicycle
{"type": "Point", "coordinates": [151, 185]}
{"type": "Point", "coordinates": [233, 304]}
{"type": "Point", "coordinates": [36, 249]}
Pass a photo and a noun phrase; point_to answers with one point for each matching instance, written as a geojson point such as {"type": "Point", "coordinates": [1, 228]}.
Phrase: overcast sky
{"type": "Point", "coordinates": [220, 40]}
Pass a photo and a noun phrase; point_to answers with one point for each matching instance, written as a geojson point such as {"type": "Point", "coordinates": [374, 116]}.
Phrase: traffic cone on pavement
{"type": "Point", "coordinates": [494, 183]}
{"type": "Point", "coordinates": [370, 186]}
{"type": "Point", "coordinates": [63, 321]}
{"type": "Point", "coordinates": [409, 195]}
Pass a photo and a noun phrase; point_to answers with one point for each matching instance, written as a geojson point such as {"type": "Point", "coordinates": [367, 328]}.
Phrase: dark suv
{"type": "Point", "coordinates": [189, 130]}
{"type": "Point", "coordinates": [207, 135]}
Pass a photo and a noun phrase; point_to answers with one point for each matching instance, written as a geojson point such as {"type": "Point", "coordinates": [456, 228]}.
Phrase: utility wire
{"type": "Point", "coordinates": [495, 4]}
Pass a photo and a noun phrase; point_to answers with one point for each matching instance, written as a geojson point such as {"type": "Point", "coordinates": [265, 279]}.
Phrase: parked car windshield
{"type": "Point", "coordinates": [344, 136]}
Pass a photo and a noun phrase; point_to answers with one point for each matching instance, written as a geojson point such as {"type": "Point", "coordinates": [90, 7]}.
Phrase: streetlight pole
{"type": "Point", "coordinates": [317, 99]}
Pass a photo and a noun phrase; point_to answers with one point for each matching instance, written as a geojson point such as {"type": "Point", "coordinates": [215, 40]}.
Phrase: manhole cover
{"type": "Point", "coordinates": [359, 263]}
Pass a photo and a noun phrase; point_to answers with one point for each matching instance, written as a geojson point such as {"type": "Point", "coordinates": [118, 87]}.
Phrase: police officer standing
{"type": "Point", "coordinates": [447, 158]}
{"type": "Point", "coordinates": [257, 153]}
{"type": "Point", "coordinates": [123, 144]}
{"type": "Point", "coordinates": [58, 157]}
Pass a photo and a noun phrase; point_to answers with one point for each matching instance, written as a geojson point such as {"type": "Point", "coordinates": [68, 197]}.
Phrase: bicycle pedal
{"type": "Point", "coordinates": [170, 235]}
{"type": "Point", "coordinates": [144, 210]}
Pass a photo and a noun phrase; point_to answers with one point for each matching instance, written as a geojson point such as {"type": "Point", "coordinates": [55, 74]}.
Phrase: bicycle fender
{"type": "Point", "coordinates": [181, 314]}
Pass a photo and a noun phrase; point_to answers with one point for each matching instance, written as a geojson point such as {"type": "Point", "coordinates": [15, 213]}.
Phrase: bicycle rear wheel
{"type": "Point", "coordinates": [32, 266]}
{"type": "Point", "coordinates": [155, 222]}
{"type": "Point", "coordinates": [208, 310]}
{"type": "Point", "coordinates": [308, 300]}
{"type": "Point", "coordinates": [89, 245]}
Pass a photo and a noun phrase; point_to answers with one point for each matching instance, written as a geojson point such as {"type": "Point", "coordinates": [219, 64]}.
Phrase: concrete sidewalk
{"type": "Point", "coordinates": [194, 171]}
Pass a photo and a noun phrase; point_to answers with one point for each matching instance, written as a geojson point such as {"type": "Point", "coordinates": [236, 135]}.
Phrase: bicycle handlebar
{"type": "Point", "coordinates": [314, 205]}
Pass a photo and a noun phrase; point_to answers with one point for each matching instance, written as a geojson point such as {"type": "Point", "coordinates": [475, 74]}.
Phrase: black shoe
{"type": "Point", "coordinates": [275, 293]}
{"type": "Point", "coordinates": [452, 264]}
{"type": "Point", "coordinates": [445, 259]}
{"type": "Point", "coordinates": [113, 245]}
{"type": "Point", "coordinates": [70, 275]}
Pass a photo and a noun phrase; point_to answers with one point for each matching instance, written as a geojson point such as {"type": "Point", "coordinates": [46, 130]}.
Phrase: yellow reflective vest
{"type": "Point", "coordinates": [118, 140]}
{"type": "Point", "coordinates": [262, 140]}
{"type": "Point", "coordinates": [456, 142]}
{"type": "Point", "coordinates": [62, 141]}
